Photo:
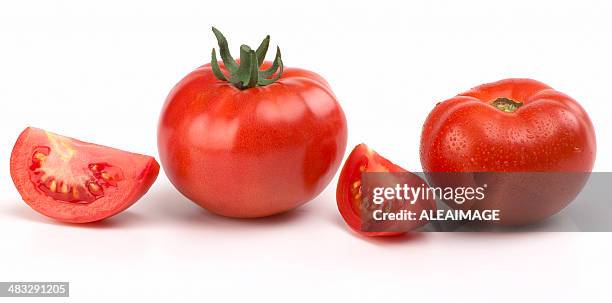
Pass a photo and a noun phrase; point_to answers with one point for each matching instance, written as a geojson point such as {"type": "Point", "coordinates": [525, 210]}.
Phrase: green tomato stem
{"type": "Point", "coordinates": [246, 74]}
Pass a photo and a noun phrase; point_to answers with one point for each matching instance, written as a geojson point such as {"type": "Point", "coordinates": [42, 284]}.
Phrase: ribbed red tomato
{"type": "Point", "coordinates": [513, 125]}
{"type": "Point", "coordinates": [249, 138]}
{"type": "Point", "coordinates": [77, 182]}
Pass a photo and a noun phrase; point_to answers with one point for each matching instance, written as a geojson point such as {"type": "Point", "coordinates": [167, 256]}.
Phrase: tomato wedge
{"type": "Point", "coordinates": [77, 182]}
{"type": "Point", "coordinates": [349, 191]}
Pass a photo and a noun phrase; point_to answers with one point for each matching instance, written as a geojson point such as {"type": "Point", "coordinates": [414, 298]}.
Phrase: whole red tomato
{"type": "Point", "coordinates": [513, 125]}
{"type": "Point", "coordinates": [250, 138]}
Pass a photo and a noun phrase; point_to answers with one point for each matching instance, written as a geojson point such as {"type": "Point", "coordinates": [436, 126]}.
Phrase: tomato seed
{"type": "Point", "coordinates": [64, 188]}
{"type": "Point", "coordinates": [106, 176]}
{"type": "Point", "coordinates": [39, 157]}
{"type": "Point", "coordinates": [53, 186]}
{"type": "Point", "coordinates": [94, 188]}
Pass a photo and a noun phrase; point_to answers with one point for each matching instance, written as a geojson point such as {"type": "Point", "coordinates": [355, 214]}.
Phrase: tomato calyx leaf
{"type": "Point", "coordinates": [247, 73]}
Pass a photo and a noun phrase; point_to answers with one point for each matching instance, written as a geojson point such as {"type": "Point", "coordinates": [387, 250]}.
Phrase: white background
{"type": "Point", "coordinates": [100, 71]}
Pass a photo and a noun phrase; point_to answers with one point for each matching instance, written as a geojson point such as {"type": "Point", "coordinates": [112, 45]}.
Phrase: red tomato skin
{"type": "Point", "coordinates": [140, 173]}
{"type": "Point", "coordinates": [254, 152]}
{"type": "Point", "coordinates": [550, 132]}
{"type": "Point", "coordinates": [363, 159]}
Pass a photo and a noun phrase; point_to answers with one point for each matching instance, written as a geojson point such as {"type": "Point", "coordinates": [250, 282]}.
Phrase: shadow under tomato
{"type": "Point", "coordinates": [122, 220]}
{"type": "Point", "coordinates": [411, 237]}
{"type": "Point", "coordinates": [169, 204]}
{"type": "Point", "coordinates": [556, 223]}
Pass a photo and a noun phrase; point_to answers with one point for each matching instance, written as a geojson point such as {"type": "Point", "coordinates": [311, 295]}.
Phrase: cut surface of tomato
{"type": "Point", "coordinates": [349, 193]}
{"type": "Point", "coordinates": [77, 182]}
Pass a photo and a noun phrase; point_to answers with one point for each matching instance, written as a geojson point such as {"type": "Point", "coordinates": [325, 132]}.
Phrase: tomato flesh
{"type": "Point", "coordinates": [74, 181]}
{"type": "Point", "coordinates": [48, 173]}
{"type": "Point", "coordinates": [349, 192]}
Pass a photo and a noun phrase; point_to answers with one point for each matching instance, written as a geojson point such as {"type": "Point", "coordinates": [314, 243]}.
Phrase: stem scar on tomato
{"type": "Point", "coordinates": [506, 104]}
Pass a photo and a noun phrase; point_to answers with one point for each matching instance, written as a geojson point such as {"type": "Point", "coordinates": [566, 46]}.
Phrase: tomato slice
{"type": "Point", "coordinates": [349, 191]}
{"type": "Point", "coordinates": [77, 182]}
